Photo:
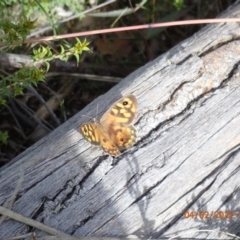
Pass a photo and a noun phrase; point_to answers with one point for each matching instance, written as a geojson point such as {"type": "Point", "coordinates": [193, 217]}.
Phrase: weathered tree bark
{"type": "Point", "coordinates": [185, 161]}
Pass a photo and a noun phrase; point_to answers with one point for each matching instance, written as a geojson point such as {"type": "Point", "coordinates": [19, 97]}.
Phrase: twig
{"type": "Point", "coordinates": [54, 101]}
{"type": "Point", "coordinates": [44, 103]}
{"type": "Point", "coordinates": [118, 13]}
{"type": "Point", "coordinates": [87, 76]}
{"type": "Point", "coordinates": [31, 113]}
{"type": "Point", "coordinates": [129, 28]}
{"type": "Point", "coordinates": [33, 223]}
{"type": "Point", "coordinates": [20, 114]}
{"type": "Point", "coordinates": [9, 203]}
{"type": "Point", "coordinates": [28, 235]}
{"type": "Point", "coordinates": [70, 18]}
{"type": "Point", "coordinates": [15, 119]}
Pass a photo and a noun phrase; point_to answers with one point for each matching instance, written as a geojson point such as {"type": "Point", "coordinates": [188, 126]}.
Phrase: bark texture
{"type": "Point", "coordinates": [185, 162]}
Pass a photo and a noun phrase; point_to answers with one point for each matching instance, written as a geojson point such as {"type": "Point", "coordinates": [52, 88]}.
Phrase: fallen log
{"type": "Point", "coordinates": [181, 175]}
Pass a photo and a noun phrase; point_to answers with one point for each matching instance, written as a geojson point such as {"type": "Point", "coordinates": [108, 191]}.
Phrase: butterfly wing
{"type": "Point", "coordinates": [95, 134]}
{"type": "Point", "coordinates": [118, 119]}
{"type": "Point", "coordinates": [121, 112]}
{"type": "Point", "coordinates": [123, 136]}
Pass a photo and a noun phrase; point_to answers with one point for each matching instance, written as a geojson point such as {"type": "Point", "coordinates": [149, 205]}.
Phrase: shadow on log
{"type": "Point", "coordinates": [182, 175]}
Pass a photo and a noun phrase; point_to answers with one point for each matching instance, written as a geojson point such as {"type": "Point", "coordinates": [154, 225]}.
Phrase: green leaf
{"type": "Point", "coordinates": [77, 57]}
{"type": "Point", "coordinates": [18, 91]}
{"type": "Point", "coordinates": [64, 58]}
{"type": "Point", "coordinates": [47, 69]}
{"type": "Point", "coordinates": [62, 51]}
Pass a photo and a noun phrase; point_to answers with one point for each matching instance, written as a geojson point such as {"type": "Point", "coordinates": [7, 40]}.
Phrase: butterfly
{"type": "Point", "coordinates": [114, 131]}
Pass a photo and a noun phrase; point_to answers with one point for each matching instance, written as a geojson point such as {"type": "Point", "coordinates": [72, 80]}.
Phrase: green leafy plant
{"type": "Point", "coordinates": [11, 31]}
{"type": "Point", "coordinates": [13, 85]}
{"type": "Point", "coordinates": [44, 54]}
{"type": "Point", "coordinates": [13, 34]}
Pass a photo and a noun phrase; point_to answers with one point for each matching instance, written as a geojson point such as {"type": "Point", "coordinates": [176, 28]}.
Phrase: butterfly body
{"type": "Point", "coordinates": [114, 131]}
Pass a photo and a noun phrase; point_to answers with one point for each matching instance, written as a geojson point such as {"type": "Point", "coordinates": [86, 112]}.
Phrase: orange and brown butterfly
{"type": "Point", "coordinates": [114, 131]}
